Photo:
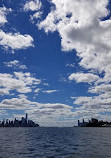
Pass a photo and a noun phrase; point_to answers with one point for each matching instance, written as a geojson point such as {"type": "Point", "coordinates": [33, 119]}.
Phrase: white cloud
{"type": "Point", "coordinates": [11, 83]}
{"type": "Point", "coordinates": [19, 81]}
{"type": "Point", "coordinates": [15, 41]}
{"type": "Point", "coordinates": [48, 114]}
{"type": "Point", "coordinates": [3, 12]}
{"type": "Point", "coordinates": [45, 84]}
{"type": "Point", "coordinates": [55, 106]}
{"type": "Point", "coordinates": [83, 77]}
{"type": "Point", "coordinates": [4, 91]}
{"type": "Point", "coordinates": [35, 16]}
{"type": "Point", "coordinates": [93, 107]}
{"type": "Point", "coordinates": [97, 104]}
{"type": "Point", "coordinates": [43, 113]}
{"type": "Point", "coordinates": [11, 63]}
{"type": "Point", "coordinates": [27, 78]}
{"type": "Point", "coordinates": [23, 102]}
{"type": "Point", "coordinates": [22, 67]}
{"type": "Point", "coordinates": [102, 88]}
{"type": "Point", "coordinates": [15, 64]}
{"type": "Point", "coordinates": [50, 91]}
{"type": "Point", "coordinates": [81, 27]}
{"type": "Point", "coordinates": [77, 23]}
{"type": "Point", "coordinates": [16, 103]}
{"type": "Point", "coordinates": [70, 65]}
{"type": "Point", "coordinates": [22, 96]}
{"type": "Point", "coordinates": [37, 90]}
{"type": "Point", "coordinates": [33, 5]}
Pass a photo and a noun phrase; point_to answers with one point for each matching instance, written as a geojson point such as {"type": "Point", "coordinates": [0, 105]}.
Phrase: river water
{"type": "Point", "coordinates": [55, 142]}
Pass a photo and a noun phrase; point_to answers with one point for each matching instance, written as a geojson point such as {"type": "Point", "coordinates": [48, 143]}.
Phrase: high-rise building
{"type": "Point", "coordinates": [78, 123]}
{"type": "Point", "coordinates": [26, 118]}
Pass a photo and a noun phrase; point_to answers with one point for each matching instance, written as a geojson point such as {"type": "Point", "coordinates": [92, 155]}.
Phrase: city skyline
{"type": "Point", "coordinates": [55, 60]}
{"type": "Point", "coordinates": [24, 122]}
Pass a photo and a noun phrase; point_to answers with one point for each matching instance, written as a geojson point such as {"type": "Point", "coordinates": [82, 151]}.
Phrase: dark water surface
{"type": "Point", "coordinates": [55, 142]}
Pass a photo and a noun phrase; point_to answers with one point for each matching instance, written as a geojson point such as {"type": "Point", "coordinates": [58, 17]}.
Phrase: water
{"type": "Point", "coordinates": [55, 142]}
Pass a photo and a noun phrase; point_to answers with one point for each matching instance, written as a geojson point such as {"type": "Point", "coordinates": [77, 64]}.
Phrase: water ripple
{"type": "Point", "coordinates": [55, 142]}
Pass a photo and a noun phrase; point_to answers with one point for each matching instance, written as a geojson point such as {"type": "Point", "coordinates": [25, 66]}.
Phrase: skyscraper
{"type": "Point", "coordinates": [26, 118]}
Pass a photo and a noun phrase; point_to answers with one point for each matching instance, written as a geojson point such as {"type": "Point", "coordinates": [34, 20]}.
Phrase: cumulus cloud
{"type": "Point", "coordinates": [93, 107]}
{"type": "Point", "coordinates": [3, 12]}
{"type": "Point", "coordinates": [23, 102]}
{"type": "Point", "coordinates": [83, 77]}
{"type": "Point", "coordinates": [102, 88]}
{"type": "Point", "coordinates": [82, 27]}
{"type": "Point", "coordinates": [33, 5]}
{"type": "Point", "coordinates": [43, 113]}
{"type": "Point", "coordinates": [12, 40]}
{"type": "Point", "coordinates": [97, 103]}
{"type": "Point", "coordinates": [48, 114]}
{"type": "Point", "coordinates": [16, 103]}
{"type": "Point", "coordinates": [27, 78]}
{"type": "Point", "coordinates": [36, 15]}
{"type": "Point", "coordinates": [15, 64]}
{"type": "Point", "coordinates": [4, 91]}
{"type": "Point", "coordinates": [19, 81]}
{"type": "Point", "coordinates": [22, 96]}
{"type": "Point", "coordinates": [78, 23]}
{"type": "Point", "coordinates": [15, 41]}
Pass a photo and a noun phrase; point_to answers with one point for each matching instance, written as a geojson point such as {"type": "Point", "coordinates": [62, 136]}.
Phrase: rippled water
{"type": "Point", "coordinates": [55, 142]}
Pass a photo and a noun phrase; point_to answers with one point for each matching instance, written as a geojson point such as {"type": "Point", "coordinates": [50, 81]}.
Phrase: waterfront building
{"type": "Point", "coordinates": [94, 123]}
{"type": "Point", "coordinates": [26, 117]}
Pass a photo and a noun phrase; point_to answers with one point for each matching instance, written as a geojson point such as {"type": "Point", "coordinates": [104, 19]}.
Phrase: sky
{"type": "Point", "coordinates": [55, 60]}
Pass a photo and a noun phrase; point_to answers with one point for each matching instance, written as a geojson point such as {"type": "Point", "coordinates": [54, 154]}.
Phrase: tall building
{"type": "Point", "coordinates": [78, 123]}
{"type": "Point", "coordinates": [26, 118]}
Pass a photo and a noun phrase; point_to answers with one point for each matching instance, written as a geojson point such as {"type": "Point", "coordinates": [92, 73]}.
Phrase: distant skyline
{"type": "Point", "coordinates": [24, 122]}
{"type": "Point", "coordinates": [55, 60]}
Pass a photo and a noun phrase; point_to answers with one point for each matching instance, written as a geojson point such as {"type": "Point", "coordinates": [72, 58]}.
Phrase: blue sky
{"type": "Point", "coordinates": [55, 60]}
